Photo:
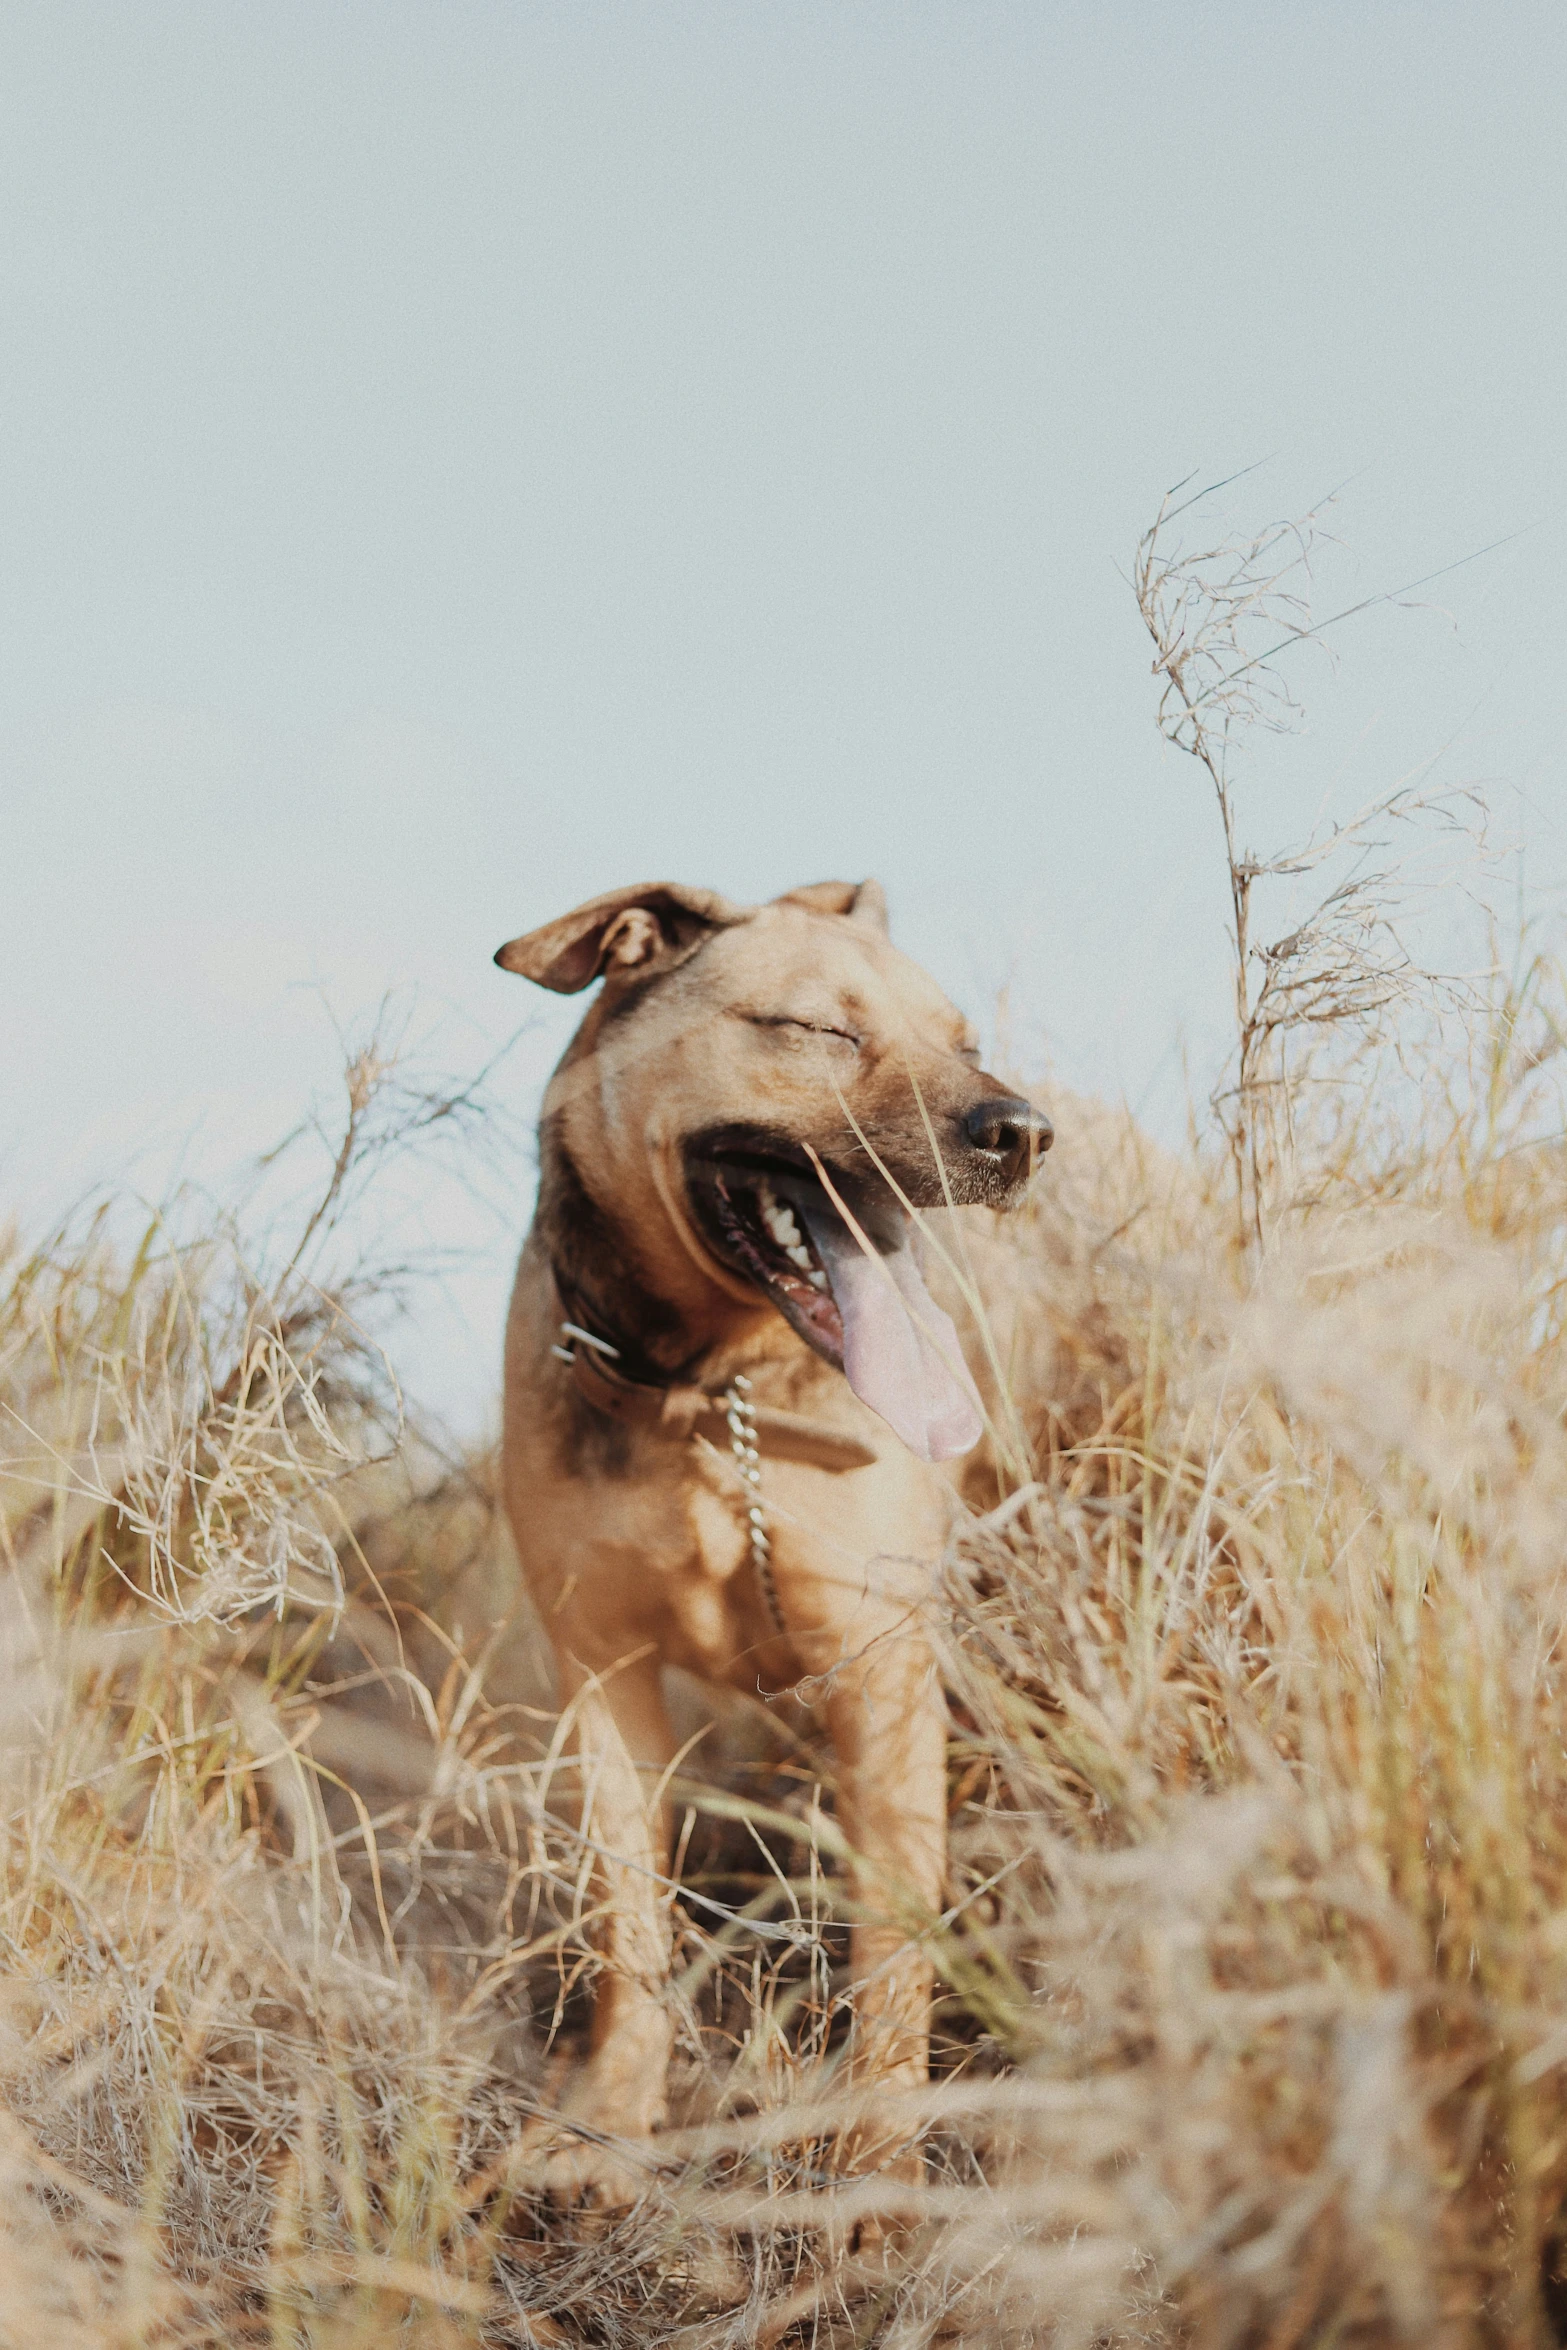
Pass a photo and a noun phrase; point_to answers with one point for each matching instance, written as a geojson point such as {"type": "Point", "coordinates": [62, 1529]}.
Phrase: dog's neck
{"type": "Point", "coordinates": [600, 1287]}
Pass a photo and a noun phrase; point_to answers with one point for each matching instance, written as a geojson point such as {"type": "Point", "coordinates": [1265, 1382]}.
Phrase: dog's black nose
{"type": "Point", "coordinates": [1011, 1132]}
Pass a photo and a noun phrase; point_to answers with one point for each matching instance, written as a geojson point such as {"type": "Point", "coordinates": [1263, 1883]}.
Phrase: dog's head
{"type": "Point", "coordinates": [756, 1102]}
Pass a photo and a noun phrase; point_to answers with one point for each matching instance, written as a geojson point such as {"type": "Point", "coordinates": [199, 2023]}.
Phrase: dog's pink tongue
{"type": "Point", "coordinates": [900, 1352]}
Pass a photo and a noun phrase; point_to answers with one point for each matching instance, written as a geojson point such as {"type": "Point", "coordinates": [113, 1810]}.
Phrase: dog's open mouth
{"type": "Point", "coordinates": [857, 1297]}
{"type": "Point", "coordinates": [766, 1232]}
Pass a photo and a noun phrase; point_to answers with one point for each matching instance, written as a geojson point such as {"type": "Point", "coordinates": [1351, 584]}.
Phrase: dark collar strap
{"type": "Point", "coordinates": [679, 1411]}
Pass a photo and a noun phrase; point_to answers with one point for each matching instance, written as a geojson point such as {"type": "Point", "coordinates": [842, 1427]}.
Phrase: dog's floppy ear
{"type": "Point", "coordinates": [653, 921]}
{"type": "Point", "coordinates": [864, 902]}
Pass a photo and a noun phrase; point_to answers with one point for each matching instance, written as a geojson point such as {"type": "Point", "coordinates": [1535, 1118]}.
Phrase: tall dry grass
{"type": "Point", "coordinates": [1253, 2019]}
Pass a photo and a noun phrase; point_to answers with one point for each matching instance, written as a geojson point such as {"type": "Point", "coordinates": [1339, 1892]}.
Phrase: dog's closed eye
{"type": "Point", "coordinates": [788, 1021]}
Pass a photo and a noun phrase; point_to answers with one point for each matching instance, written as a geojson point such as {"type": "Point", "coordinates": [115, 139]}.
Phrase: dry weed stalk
{"type": "Point", "coordinates": [1223, 616]}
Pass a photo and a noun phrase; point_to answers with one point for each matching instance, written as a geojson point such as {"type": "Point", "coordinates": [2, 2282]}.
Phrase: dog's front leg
{"type": "Point", "coordinates": [621, 1737]}
{"type": "Point", "coordinates": [887, 1716]}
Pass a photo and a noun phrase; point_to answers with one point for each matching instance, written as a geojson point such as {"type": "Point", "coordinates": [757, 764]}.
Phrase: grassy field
{"type": "Point", "coordinates": [1253, 2019]}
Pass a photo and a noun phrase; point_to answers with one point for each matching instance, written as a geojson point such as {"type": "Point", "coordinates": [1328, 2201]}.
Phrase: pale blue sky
{"type": "Point", "coordinates": [454, 458]}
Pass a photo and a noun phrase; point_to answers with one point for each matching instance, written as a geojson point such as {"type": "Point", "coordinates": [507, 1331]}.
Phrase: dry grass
{"type": "Point", "coordinates": [1253, 2025]}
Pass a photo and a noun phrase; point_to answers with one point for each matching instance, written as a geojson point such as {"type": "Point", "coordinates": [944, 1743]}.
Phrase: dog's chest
{"type": "Point", "coordinates": [713, 1595]}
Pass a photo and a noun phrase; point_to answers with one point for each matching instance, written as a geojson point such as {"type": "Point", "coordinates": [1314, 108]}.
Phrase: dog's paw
{"type": "Point", "coordinates": [581, 2175]}
{"type": "Point", "coordinates": [882, 2173]}
{"type": "Point", "coordinates": [569, 2164]}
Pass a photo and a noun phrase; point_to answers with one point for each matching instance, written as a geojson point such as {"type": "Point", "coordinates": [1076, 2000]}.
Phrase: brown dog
{"type": "Point", "coordinates": [726, 1388]}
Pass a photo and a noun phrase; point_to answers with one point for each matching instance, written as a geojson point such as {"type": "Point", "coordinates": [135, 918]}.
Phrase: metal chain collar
{"type": "Point", "coordinates": [741, 1415]}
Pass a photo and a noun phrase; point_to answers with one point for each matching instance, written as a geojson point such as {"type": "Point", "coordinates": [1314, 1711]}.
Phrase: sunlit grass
{"type": "Point", "coordinates": [1252, 2008]}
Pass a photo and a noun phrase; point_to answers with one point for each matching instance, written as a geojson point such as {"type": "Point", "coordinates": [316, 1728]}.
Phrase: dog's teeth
{"type": "Point", "coordinates": [800, 1257]}
{"type": "Point", "coordinates": [817, 1279]}
{"type": "Point", "coordinates": [781, 1224]}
